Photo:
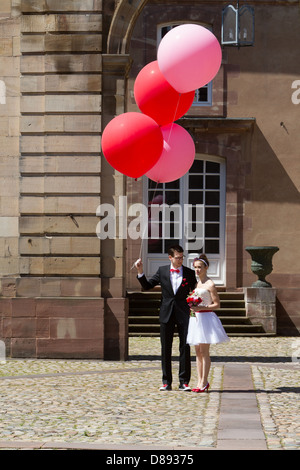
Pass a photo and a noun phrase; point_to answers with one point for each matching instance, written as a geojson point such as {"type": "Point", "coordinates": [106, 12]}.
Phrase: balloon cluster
{"type": "Point", "coordinates": [149, 142]}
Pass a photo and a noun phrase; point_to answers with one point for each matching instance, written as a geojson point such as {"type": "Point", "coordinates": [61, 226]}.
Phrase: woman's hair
{"type": "Point", "coordinates": [202, 258]}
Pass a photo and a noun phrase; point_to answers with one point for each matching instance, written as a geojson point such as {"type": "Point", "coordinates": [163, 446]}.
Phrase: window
{"type": "Point", "coordinates": [202, 186]}
{"type": "Point", "coordinates": [203, 96]}
{"type": "Point", "coordinates": [163, 231]}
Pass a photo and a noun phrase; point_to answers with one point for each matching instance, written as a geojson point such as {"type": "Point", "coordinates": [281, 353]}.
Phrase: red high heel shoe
{"type": "Point", "coordinates": [200, 390]}
{"type": "Point", "coordinates": [204, 389]}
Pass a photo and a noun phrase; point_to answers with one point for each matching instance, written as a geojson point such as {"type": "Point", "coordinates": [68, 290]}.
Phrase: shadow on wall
{"type": "Point", "coordinates": [273, 183]}
{"type": "Point", "coordinates": [285, 324]}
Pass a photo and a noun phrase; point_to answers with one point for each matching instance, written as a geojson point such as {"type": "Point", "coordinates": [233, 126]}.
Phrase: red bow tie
{"type": "Point", "coordinates": [175, 270]}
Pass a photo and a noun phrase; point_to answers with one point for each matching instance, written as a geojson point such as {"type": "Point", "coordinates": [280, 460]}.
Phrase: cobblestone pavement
{"type": "Point", "coordinates": [118, 403]}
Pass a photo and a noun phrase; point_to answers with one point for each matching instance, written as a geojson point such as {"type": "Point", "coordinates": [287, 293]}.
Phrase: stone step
{"type": "Point", "coordinates": [144, 308]}
{"type": "Point", "coordinates": [156, 293]}
{"type": "Point", "coordinates": [231, 335]}
{"type": "Point", "coordinates": [153, 311]}
{"type": "Point", "coordinates": [230, 328]}
{"type": "Point", "coordinates": [153, 320]}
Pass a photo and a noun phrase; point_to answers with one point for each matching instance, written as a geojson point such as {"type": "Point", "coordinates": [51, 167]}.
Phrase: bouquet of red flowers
{"type": "Point", "coordinates": [194, 300]}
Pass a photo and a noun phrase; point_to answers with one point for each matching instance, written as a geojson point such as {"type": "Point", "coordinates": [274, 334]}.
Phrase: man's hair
{"type": "Point", "coordinates": [172, 249]}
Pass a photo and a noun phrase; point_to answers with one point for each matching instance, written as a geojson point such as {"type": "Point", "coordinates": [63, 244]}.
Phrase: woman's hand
{"type": "Point", "coordinates": [200, 308]}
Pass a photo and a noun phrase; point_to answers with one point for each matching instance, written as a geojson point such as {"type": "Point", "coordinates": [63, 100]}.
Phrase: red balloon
{"type": "Point", "coordinates": [157, 98]}
{"type": "Point", "coordinates": [132, 143]}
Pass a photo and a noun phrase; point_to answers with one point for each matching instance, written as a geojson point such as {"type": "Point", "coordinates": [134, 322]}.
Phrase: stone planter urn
{"type": "Point", "coordinates": [261, 263]}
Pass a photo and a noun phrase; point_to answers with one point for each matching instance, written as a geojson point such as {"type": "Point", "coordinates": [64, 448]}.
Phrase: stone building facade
{"type": "Point", "coordinates": [66, 69]}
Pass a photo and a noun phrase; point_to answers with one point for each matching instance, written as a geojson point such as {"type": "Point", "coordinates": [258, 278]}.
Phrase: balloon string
{"type": "Point", "coordinates": [146, 226]}
{"type": "Point", "coordinates": [157, 183]}
{"type": "Point", "coordinates": [177, 105]}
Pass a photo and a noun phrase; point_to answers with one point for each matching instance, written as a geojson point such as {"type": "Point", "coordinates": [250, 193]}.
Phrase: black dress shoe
{"type": "Point", "coordinates": [184, 387]}
{"type": "Point", "coordinates": [165, 388]}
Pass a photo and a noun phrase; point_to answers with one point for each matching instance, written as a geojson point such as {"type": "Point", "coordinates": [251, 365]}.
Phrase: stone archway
{"type": "Point", "coordinates": [122, 24]}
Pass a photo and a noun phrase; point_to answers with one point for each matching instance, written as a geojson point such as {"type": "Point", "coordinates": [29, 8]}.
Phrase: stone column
{"type": "Point", "coordinates": [9, 164]}
{"type": "Point", "coordinates": [113, 185]}
{"type": "Point", "coordinates": [261, 307]}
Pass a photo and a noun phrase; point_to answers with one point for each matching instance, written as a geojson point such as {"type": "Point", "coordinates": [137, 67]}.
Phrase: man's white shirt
{"type": "Point", "coordinates": [176, 278]}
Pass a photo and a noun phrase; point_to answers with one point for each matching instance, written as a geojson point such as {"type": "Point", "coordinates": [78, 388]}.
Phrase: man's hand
{"type": "Point", "coordinates": [139, 266]}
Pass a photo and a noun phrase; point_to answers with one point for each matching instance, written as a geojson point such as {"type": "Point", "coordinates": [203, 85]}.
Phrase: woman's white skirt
{"type": "Point", "coordinates": [206, 327]}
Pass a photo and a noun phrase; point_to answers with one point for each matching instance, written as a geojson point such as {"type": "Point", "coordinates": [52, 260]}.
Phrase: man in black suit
{"type": "Point", "coordinates": [176, 282]}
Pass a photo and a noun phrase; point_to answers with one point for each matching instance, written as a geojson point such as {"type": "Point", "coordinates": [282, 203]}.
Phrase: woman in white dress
{"type": "Point", "coordinates": [205, 328]}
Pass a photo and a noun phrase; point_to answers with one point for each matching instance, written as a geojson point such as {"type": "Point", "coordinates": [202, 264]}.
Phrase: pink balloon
{"type": "Point", "coordinates": [177, 156]}
{"type": "Point", "coordinates": [189, 56]}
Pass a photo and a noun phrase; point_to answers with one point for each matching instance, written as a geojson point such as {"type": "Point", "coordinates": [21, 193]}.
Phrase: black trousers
{"type": "Point", "coordinates": [166, 337]}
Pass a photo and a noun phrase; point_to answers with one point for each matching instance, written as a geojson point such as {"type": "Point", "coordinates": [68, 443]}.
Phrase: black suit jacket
{"type": "Point", "coordinates": [171, 302]}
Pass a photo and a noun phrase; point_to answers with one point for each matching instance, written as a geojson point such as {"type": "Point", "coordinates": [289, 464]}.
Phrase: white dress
{"type": "Point", "coordinates": [206, 327]}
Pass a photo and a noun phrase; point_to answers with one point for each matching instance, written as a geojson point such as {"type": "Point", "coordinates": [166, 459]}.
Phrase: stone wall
{"type": "Point", "coordinates": [54, 276]}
